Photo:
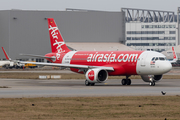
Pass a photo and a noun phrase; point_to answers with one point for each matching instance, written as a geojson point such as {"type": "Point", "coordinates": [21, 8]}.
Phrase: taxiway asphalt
{"type": "Point", "coordinates": [174, 71]}
{"type": "Point", "coordinates": [75, 88]}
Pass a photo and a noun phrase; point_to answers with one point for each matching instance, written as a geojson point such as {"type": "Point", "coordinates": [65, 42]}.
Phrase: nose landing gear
{"type": "Point", "coordinates": [152, 83]}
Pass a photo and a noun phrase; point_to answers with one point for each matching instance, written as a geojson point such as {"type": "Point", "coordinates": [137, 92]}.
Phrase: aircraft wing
{"type": "Point", "coordinates": [68, 65]}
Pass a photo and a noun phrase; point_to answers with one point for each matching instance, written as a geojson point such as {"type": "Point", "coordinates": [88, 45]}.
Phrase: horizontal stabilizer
{"type": "Point", "coordinates": [39, 56]}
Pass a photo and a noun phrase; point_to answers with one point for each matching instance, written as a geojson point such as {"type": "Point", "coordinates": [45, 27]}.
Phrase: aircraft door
{"type": "Point", "coordinates": [142, 65]}
{"type": "Point", "coordinates": [143, 59]}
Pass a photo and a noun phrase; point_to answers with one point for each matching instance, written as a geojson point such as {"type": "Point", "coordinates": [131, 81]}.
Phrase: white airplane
{"type": "Point", "coordinates": [8, 63]}
{"type": "Point", "coordinates": [4, 63]}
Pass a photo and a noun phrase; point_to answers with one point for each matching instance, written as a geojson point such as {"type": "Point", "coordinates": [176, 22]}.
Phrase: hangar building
{"type": "Point", "coordinates": [151, 29]}
{"type": "Point", "coordinates": [23, 31]}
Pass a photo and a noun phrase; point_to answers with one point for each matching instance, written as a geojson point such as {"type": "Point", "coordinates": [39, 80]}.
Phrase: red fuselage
{"type": "Point", "coordinates": [123, 62]}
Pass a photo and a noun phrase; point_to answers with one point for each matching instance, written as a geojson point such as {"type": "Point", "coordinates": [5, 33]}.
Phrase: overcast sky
{"type": "Point", "coordinates": [105, 5]}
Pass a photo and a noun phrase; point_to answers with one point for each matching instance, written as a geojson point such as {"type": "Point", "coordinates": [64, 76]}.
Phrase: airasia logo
{"type": "Point", "coordinates": [54, 33]}
{"type": "Point", "coordinates": [112, 57]}
{"type": "Point", "coordinates": [91, 75]}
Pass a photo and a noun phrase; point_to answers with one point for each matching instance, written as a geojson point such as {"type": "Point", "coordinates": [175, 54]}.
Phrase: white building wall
{"type": "Point", "coordinates": [158, 36]}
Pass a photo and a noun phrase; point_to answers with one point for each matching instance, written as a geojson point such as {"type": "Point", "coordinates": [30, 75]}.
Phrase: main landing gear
{"type": "Point", "coordinates": [126, 81]}
{"type": "Point", "coordinates": [87, 83]}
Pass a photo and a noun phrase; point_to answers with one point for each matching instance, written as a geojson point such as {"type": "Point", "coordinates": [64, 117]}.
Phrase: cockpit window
{"type": "Point", "coordinates": [156, 58]}
{"type": "Point", "coordinates": [153, 59]}
{"type": "Point", "coordinates": [161, 58]}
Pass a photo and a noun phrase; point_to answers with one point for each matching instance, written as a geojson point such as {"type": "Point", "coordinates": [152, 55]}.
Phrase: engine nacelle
{"type": "Point", "coordinates": [151, 78]}
{"type": "Point", "coordinates": [96, 75]}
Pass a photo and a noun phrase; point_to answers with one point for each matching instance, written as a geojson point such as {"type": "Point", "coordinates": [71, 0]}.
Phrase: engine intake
{"type": "Point", "coordinates": [151, 78]}
{"type": "Point", "coordinates": [96, 75]}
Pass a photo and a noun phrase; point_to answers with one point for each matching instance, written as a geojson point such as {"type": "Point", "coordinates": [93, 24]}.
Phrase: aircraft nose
{"type": "Point", "coordinates": [167, 67]}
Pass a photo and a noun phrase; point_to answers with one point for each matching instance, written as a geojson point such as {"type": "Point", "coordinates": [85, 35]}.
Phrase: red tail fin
{"type": "Point", "coordinates": [174, 54]}
{"type": "Point", "coordinates": [57, 43]}
{"type": "Point", "coordinates": [6, 55]}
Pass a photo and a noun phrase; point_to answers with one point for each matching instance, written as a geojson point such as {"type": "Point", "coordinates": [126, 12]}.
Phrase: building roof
{"type": "Point", "coordinates": [99, 46]}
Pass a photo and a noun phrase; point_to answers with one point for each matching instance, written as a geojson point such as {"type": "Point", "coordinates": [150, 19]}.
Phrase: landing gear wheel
{"type": "Point", "coordinates": [92, 84]}
{"type": "Point", "coordinates": [87, 83]}
{"type": "Point", "coordinates": [124, 81]}
{"type": "Point", "coordinates": [128, 81]}
{"type": "Point", "coordinates": [152, 84]}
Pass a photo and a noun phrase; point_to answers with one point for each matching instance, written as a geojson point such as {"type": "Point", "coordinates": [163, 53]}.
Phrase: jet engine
{"type": "Point", "coordinates": [151, 78]}
{"type": "Point", "coordinates": [96, 75]}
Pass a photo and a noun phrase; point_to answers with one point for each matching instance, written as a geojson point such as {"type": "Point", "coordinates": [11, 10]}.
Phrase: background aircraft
{"type": "Point", "coordinates": [8, 63]}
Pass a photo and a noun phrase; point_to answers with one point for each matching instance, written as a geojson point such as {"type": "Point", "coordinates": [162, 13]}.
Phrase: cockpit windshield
{"type": "Point", "coordinates": [153, 59]}
{"type": "Point", "coordinates": [156, 58]}
{"type": "Point", "coordinates": [159, 58]}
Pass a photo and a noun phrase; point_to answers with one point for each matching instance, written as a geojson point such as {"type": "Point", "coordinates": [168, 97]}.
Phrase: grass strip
{"type": "Point", "coordinates": [91, 108]}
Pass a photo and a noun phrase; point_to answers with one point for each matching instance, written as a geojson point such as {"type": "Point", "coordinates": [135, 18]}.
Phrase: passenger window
{"type": "Point", "coordinates": [156, 58]}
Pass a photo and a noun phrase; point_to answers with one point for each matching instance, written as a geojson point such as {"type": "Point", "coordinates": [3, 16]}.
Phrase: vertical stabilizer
{"type": "Point", "coordinates": [57, 43]}
{"type": "Point", "coordinates": [6, 55]}
{"type": "Point", "coordinates": [174, 54]}
{"type": "Point", "coordinates": [175, 58]}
